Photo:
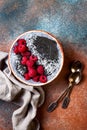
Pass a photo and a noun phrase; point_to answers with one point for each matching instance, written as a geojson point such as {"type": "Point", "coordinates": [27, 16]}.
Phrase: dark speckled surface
{"type": "Point", "coordinates": [67, 20]}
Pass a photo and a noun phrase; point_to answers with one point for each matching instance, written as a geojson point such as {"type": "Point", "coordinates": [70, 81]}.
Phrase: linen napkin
{"type": "Point", "coordinates": [29, 98]}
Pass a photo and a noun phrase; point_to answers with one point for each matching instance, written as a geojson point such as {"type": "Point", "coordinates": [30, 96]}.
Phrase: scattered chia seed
{"type": "Point", "coordinates": [47, 52]}
{"type": "Point", "coordinates": [21, 69]}
{"type": "Point", "coordinates": [19, 57]}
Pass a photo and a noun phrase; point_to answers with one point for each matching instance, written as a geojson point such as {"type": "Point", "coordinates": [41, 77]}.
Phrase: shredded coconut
{"type": "Point", "coordinates": [49, 65]}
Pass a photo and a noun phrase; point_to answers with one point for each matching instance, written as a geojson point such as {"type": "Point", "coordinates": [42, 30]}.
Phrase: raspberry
{"type": "Point", "coordinates": [30, 63]}
{"type": "Point", "coordinates": [16, 51]}
{"type": "Point", "coordinates": [43, 79]}
{"type": "Point", "coordinates": [34, 58]}
{"type": "Point", "coordinates": [32, 72]}
{"type": "Point", "coordinates": [22, 48]}
{"type": "Point", "coordinates": [26, 76]}
{"type": "Point", "coordinates": [40, 69]}
{"type": "Point", "coordinates": [27, 53]}
{"type": "Point", "coordinates": [36, 78]}
{"type": "Point", "coordinates": [33, 67]}
{"type": "Point", "coordinates": [24, 60]}
{"type": "Point", "coordinates": [21, 42]}
{"type": "Point", "coordinates": [23, 63]}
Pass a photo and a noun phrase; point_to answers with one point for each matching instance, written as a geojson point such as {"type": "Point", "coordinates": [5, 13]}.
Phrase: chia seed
{"type": "Point", "coordinates": [21, 69]}
{"type": "Point", "coordinates": [47, 52]}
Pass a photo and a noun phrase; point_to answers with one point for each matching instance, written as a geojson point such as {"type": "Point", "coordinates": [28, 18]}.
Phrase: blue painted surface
{"type": "Point", "coordinates": [67, 19]}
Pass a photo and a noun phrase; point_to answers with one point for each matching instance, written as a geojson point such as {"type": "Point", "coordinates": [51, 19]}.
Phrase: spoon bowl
{"type": "Point", "coordinates": [75, 78]}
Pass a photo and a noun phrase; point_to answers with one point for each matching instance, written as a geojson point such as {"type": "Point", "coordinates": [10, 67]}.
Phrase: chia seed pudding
{"type": "Point", "coordinates": [45, 48]}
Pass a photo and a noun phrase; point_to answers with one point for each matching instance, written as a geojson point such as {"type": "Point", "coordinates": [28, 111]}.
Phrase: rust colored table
{"type": "Point", "coordinates": [67, 20]}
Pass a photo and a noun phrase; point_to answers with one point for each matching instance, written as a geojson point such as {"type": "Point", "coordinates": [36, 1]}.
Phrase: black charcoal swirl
{"type": "Point", "coordinates": [46, 51]}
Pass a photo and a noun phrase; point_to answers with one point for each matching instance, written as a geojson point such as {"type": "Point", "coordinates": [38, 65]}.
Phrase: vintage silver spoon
{"type": "Point", "coordinates": [76, 66]}
{"type": "Point", "coordinates": [55, 103]}
{"type": "Point", "coordinates": [74, 78]}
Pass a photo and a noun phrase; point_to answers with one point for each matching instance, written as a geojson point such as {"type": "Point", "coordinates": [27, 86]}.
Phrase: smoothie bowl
{"type": "Point", "coordinates": [36, 58]}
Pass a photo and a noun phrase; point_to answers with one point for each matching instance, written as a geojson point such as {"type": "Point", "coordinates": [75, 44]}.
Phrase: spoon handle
{"type": "Point", "coordinates": [54, 104]}
{"type": "Point", "coordinates": [67, 98]}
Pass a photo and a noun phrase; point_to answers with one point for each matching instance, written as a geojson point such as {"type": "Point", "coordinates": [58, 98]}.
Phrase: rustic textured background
{"type": "Point", "coordinates": [67, 20]}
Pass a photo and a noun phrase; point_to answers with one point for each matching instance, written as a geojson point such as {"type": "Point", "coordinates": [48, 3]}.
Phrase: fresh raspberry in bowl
{"type": "Point", "coordinates": [36, 58]}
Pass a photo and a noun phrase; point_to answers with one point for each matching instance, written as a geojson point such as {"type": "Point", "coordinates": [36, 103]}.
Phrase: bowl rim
{"type": "Point", "coordinates": [61, 50]}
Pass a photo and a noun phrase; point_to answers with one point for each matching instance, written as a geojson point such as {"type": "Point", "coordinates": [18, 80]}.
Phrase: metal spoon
{"type": "Point", "coordinates": [76, 67]}
{"type": "Point", "coordinates": [55, 103]}
{"type": "Point", "coordinates": [74, 78]}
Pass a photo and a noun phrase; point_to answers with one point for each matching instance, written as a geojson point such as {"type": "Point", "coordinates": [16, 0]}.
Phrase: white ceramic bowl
{"type": "Point", "coordinates": [46, 42]}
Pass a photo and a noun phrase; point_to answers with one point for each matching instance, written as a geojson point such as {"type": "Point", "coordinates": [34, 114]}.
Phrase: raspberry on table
{"type": "Point", "coordinates": [26, 76]}
{"type": "Point", "coordinates": [32, 72]}
{"type": "Point", "coordinates": [34, 58]}
{"type": "Point", "coordinates": [22, 48]}
{"type": "Point", "coordinates": [43, 79]}
{"type": "Point", "coordinates": [21, 42]}
{"type": "Point", "coordinates": [40, 69]}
